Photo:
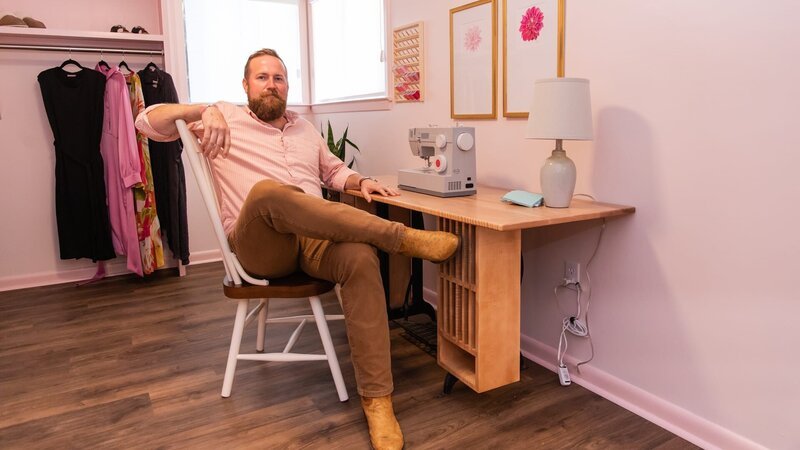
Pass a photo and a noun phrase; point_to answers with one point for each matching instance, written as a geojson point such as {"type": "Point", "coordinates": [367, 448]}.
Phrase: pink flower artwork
{"type": "Point", "coordinates": [531, 24]}
{"type": "Point", "coordinates": [472, 38]}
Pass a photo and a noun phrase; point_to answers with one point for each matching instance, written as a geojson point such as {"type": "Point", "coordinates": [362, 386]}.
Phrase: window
{"type": "Point", "coordinates": [348, 42]}
{"type": "Point", "coordinates": [219, 40]}
{"type": "Point", "coordinates": [346, 38]}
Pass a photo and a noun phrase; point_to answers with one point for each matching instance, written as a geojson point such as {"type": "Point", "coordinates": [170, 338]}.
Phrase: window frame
{"type": "Point", "coordinates": [175, 59]}
{"type": "Point", "coordinates": [351, 104]}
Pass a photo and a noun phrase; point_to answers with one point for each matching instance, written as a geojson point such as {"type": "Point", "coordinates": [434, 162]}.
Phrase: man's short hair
{"type": "Point", "coordinates": [262, 52]}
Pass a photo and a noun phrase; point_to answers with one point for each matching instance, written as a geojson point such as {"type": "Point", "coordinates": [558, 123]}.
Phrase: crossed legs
{"type": "Point", "coordinates": [280, 229]}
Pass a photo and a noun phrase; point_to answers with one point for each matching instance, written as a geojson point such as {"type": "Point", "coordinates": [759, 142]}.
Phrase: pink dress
{"type": "Point", "coordinates": [122, 167]}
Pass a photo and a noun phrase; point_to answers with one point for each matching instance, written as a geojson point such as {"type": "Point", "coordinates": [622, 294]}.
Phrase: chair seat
{"type": "Point", "coordinates": [297, 285]}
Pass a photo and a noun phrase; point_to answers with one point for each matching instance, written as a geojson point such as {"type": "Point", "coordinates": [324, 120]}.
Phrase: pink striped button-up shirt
{"type": "Point", "coordinates": [296, 155]}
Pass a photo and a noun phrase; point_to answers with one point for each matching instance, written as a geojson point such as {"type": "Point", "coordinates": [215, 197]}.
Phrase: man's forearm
{"type": "Point", "coordinates": [163, 118]}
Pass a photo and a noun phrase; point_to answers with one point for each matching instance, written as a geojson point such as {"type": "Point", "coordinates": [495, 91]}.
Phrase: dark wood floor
{"type": "Point", "coordinates": [130, 363]}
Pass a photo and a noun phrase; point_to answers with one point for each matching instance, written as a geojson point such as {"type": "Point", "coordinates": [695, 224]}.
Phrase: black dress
{"type": "Point", "coordinates": [74, 105]}
{"type": "Point", "coordinates": [168, 177]}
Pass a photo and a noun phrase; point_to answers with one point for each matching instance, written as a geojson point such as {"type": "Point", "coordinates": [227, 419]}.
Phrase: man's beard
{"type": "Point", "coordinates": [268, 106]}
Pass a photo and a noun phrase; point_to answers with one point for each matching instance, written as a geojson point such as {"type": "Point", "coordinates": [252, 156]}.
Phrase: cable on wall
{"type": "Point", "coordinates": [578, 323]}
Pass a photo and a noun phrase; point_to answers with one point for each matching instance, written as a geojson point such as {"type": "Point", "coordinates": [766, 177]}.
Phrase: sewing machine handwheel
{"type": "Point", "coordinates": [465, 141]}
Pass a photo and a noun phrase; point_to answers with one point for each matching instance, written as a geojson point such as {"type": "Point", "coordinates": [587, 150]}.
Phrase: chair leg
{"type": "Point", "coordinates": [327, 343]}
{"type": "Point", "coordinates": [233, 353]}
{"type": "Point", "coordinates": [261, 340]}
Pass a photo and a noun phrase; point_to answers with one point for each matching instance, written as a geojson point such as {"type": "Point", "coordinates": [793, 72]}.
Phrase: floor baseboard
{"type": "Point", "coordinates": [669, 416]}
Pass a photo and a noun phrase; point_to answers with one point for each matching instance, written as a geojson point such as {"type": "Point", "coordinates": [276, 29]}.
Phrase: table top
{"type": "Point", "coordinates": [485, 209]}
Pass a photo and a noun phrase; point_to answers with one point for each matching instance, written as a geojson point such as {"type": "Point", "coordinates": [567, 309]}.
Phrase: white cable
{"type": "Point", "coordinates": [585, 195]}
{"type": "Point", "coordinates": [589, 297]}
{"type": "Point", "coordinates": [562, 339]}
{"type": "Point", "coordinates": [574, 324]}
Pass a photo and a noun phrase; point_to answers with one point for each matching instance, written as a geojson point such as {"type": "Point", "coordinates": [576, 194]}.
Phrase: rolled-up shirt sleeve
{"type": "Point", "coordinates": [143, 125]}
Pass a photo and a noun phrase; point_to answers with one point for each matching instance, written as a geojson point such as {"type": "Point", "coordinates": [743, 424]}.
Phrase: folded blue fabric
{"type": "Point", "coordinates": [523, 198]}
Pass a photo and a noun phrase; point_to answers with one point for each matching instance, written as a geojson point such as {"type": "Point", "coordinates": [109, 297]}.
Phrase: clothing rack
{"type": "Point", "coordinates": [48, 48]}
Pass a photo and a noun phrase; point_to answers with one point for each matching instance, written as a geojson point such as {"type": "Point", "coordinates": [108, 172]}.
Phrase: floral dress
{"type": "Point", "coordinates": [147, 223]}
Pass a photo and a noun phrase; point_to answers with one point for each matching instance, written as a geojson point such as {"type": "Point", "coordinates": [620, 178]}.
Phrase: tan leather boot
{"type": "Point", "coordinates": [384, 431]}
{"type": "Point", "coordinates": [436, 246]}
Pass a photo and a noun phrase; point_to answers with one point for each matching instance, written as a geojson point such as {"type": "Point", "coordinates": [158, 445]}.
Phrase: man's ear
{"type": "Point", "coordinates": [244, 86]}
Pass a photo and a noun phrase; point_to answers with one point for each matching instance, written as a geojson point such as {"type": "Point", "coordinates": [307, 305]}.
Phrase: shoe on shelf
{"type": "Point", "coordinates": [10, 20]}
{"type": "Point", "coordinates": [33, 23]}
{"type": "Point", "coordinates": [140, 30]}
{"type": "Point", "coordinates": [119, 29]}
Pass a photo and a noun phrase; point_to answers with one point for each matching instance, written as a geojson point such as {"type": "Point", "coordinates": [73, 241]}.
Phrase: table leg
{"type": "Point", "coordinates": [478, 312]}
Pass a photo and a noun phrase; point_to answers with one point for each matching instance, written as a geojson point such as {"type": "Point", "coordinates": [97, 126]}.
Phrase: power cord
{"type": "Point", "coordinates": [577, 324]}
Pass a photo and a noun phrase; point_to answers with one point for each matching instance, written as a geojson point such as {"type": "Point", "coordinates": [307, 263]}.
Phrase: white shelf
{"type": "Point", "coordinates": [80, 39]}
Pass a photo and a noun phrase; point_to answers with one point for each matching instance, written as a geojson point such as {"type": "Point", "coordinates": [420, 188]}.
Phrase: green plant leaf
{"type": "Point", "coordinates": [353, 145]}
{"type": "Point", "coordinates": [331, 145]}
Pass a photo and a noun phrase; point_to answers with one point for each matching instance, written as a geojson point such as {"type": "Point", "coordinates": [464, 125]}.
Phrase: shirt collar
{"type": "Point", "coordinates": [290, 116]}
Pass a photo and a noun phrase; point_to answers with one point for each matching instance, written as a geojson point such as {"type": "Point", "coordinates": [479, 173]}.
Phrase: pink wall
{"type": "Point", "coordinates": [28, 238]}
{"type": "Point", "coordinates": [88, 15]}
{"type": "Point", "coordinates": [695, 107]}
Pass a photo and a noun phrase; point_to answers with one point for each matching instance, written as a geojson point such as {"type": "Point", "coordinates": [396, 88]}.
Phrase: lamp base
{"type": "Point", "coordinates": [558, 179]}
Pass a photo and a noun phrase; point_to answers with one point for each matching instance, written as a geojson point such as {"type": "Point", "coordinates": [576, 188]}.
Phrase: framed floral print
{"type": "Point", "coordinates": [473, 60]}
{"type": "Point", "coordinates": [530, 50]}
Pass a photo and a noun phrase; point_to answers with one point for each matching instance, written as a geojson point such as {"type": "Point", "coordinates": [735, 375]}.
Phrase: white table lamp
{"type": "Point", "coordinates": [561, 109]}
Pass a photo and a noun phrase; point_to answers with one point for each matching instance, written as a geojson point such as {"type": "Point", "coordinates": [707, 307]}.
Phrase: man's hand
{"type": "Point", "coordinates": [369, 186]}
{"type": "Point", "coordinates": [216, 134]}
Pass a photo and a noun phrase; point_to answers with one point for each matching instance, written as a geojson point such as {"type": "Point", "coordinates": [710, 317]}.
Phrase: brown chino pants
{"type": "Point", "coordinates": [281, 229]}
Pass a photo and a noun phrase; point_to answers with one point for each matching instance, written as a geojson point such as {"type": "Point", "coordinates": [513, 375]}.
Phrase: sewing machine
{"type": "Point", "coordinates": [449, 155]}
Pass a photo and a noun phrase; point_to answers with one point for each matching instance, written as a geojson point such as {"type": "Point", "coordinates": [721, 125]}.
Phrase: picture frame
{"type": "Point", "coordinates": [473, 60]}
{"type": "Point", "coordinates": [530, 54]}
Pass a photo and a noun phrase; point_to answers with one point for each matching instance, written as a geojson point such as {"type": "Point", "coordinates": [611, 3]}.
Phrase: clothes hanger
{"type": "Point", "coordinates": [123, 64]}
{"type": "Point", "coordinates": [151, 65]}
{"type": "Point", "coordinates": [71, 61]}
{"type": "Point", "coordinates": [102, 62]}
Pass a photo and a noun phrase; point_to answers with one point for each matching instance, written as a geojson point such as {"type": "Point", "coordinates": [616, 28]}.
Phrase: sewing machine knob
{"type": "Point", "coordinates": [465, 141]}
{"type": "Point", "coordinates": [441, 141]}
{"type": "Point", "coordinates": [439, 163]}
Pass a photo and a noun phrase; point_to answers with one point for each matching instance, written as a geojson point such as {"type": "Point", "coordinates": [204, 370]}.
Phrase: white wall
{"type": "Point", "coordinates": [696, 108]}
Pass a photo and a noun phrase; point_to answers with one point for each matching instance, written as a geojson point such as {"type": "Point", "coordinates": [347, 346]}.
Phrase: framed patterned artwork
{"type": "Point", "coordinates": [530, 50]}
{"type": "Point", "coordinates": [473, 60]}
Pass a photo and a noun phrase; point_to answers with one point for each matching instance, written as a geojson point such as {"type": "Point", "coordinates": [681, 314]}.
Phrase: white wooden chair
{"type": "Point", "coordinates": [242, 287]}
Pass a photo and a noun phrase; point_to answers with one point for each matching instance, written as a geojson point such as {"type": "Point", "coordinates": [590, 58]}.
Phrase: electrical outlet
{"type": "Point", "coordinates": [572, 272]}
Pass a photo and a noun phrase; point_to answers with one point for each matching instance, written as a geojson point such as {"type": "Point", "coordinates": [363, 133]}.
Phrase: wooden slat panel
{"type": "Point", "coordinates": [462, 345]}
{"type": "Point", "coordinates": [472, 320]}
{"type": "Point", "coordinates": [458, 312]}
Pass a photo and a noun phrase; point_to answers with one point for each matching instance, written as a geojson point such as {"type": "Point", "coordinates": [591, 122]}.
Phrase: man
{"type": "Point", "coordinates": [269, 170]}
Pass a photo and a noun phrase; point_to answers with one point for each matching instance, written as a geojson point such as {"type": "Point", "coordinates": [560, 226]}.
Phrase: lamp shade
{"type": "Point", "coordinates": [561, 109]}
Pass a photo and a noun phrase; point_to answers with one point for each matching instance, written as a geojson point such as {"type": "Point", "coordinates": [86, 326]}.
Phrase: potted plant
{"type": "Point", "coordinates": [338, 148]}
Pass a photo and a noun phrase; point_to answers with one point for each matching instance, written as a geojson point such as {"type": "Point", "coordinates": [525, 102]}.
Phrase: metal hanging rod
{"type": "Point", "coordinates": [81, 49]}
